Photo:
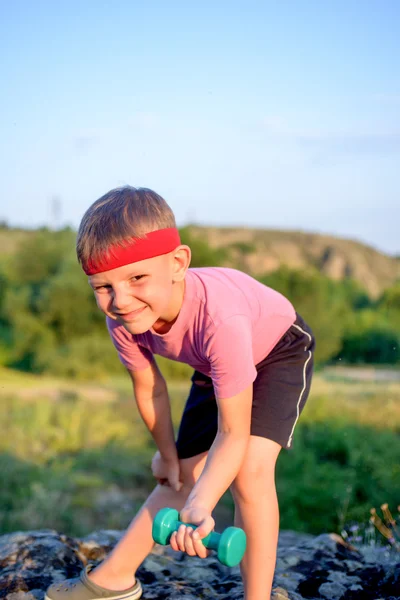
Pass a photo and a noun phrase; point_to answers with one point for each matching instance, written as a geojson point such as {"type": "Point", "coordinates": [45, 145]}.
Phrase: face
{"type": "Point", "coordinates": [141, 295]}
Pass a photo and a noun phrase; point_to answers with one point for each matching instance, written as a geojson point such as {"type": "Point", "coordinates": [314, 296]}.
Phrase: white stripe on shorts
{"type": "Point", "coordinates": [304, 382]}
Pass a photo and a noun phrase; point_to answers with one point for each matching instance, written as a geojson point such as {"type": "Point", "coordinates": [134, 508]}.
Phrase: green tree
{"type": "Point", "coordinates": [320, 301]}
{"type": "Point", "coordinates": [47, 302]}
{"type": "Point", "coordinates": [40, 256]}
{"type": "Point", "coordinates": [67, 304]}
{"type": "Point", "coordinates": [389, 306]}
{"type": "Point", "coordinates": [27, 334]}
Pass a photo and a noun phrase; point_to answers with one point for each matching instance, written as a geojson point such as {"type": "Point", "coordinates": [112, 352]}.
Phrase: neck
{"type": "Point", "coordinates": [165, 322]}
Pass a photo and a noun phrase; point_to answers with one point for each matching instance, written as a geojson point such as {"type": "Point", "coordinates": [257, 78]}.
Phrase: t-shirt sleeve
{"type": "Point", "coordinates": [229, 350]}
{"type": "Point", "coordinates": [132, 356]}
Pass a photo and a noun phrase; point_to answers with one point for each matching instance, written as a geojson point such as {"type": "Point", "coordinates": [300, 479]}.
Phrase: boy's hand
{"type": "Point", "coordinates": [187, 539]}
{"type": "Point", "coordinates": [166, 472]}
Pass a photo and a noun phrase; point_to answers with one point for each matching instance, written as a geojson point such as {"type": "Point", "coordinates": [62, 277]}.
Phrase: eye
{"type": "Point", "coordinates": [102, 287]}
{"type": "Point", "coordinates": [136, 278]}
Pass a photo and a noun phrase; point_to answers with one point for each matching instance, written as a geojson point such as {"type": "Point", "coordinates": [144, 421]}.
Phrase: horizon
{"type": "Point", "coordinates": [280, 117]}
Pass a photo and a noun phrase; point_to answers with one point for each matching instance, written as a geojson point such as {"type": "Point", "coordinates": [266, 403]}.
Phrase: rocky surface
{"type": "Point", "coordinates": [308, 567]}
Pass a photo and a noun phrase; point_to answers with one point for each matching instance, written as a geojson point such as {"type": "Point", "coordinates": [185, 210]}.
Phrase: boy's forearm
{"type": "Point", "coordinates": [156, 414]}
{"type": "Point", "coordinates": [223, 463]}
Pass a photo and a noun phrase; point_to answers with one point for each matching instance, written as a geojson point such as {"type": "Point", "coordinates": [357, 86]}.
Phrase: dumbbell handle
{"type": "Point", "coordinates": [211, 541]}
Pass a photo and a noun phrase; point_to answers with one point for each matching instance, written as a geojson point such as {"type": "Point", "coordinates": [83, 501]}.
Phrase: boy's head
{"type": "Point", "coordinates": [129, 246]}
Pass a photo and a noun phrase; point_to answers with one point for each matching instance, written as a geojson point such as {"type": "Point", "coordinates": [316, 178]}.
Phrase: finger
{"type": "Point", "coordinates": [189, 548]}
{"type": "Point", "coordinates": [173, 542]}
{"type": "Point", "coordinates": [180, 538]}
{"type": "Point", "coordinates": [199, 548]}
{"type": "Point", "coordinates": [175, 483]}
{"type": "Point", "coordinates": [204, 528]}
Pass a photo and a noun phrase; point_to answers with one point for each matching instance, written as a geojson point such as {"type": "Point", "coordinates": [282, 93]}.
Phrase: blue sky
{"type": "Point", "coordinates": [269, 114]}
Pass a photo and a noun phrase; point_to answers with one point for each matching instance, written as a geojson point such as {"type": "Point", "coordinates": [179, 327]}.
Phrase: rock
{"type": "Point", "coordinates": [308, 567]}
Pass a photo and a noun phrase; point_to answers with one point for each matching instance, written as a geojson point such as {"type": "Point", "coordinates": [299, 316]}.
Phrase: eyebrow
{"type": "Point", "coordinates": [97, 284]}
{"type": "Point", "coordinates": [102, 282]}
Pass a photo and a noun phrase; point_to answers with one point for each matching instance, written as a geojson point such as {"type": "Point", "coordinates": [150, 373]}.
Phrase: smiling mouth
{"type": "Point", "coordinates": [130, 315]}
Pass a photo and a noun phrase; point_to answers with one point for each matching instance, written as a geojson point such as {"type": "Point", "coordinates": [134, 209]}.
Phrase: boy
{"type": "Point", "coordinates": [252, 357]}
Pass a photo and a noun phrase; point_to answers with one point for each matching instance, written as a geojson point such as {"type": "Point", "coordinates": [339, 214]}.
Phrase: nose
{"type": "Point", "coordinates": [121, 299]}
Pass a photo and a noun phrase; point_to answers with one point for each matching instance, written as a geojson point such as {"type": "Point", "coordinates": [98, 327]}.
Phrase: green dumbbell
{"type": "Point", "coordinates": [230, 545]}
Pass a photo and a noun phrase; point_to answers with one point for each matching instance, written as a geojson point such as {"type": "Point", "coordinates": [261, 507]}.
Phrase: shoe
{"type": "Point", "coordinates": [82, 588]}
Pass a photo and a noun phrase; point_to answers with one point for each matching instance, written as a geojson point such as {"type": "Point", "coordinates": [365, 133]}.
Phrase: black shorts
{"type": "Point", "coordinates": [280, 391]}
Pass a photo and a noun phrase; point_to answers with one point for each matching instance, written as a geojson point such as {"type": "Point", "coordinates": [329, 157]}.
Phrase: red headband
{"type": "Point", "coordinates": [155, 243]}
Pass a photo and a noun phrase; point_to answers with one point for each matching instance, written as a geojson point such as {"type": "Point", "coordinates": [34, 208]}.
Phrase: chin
{"type": "Point", "coordinates": [136, 328]}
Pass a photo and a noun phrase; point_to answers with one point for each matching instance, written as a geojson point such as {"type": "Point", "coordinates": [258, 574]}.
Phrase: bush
{"type": "Point", "coordinates": [370, 339]}
{"type": "Point", "coordinates": [92, 357]}
{"type": "Point", "coordinates": [335, 474]}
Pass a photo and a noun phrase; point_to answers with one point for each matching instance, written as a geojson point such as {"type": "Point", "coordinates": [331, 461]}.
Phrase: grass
{"type": "Point", "coordinates": [75, 457]}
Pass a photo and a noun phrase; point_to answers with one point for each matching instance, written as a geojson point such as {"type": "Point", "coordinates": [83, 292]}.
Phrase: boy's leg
{"type": "Point", "coordinates": [257, 512]}
{"type": "Point", "coordinates": [117, 571]}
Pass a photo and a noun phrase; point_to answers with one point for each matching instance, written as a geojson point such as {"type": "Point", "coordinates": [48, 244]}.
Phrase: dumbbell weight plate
{"type": "Point", "coordinates": [164, 525]}
{"type": "Point", "coordinates": [232, 546]}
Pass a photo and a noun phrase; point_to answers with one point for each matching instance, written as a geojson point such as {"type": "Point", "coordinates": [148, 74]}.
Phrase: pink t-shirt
{"type": "Point", "coordinates": [228, 323]}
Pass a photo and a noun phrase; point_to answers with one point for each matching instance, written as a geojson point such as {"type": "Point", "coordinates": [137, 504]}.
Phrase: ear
{"type": "Point", "coordinates": [181, 257]}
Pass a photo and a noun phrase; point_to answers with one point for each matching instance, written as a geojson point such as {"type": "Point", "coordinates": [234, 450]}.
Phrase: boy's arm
{"type": "Point", "coordinates": [151, 395]}
{"type": "Point", "coordinates": [227, 452]}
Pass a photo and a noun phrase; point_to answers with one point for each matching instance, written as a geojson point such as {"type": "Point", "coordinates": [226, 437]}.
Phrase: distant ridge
{"type": "Point", "coordinates": [261, 251]}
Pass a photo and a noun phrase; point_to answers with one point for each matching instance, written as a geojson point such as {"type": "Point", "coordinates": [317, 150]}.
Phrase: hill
{"type": "Point", "coordinates": [261, 251]}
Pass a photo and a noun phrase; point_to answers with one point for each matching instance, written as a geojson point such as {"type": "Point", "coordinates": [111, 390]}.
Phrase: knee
{"type": "Point", "coordinates": [253, 483]}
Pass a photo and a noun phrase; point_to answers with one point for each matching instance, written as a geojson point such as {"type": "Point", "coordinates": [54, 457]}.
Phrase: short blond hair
{"type": "Point", "coordinates": [117, 217]}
